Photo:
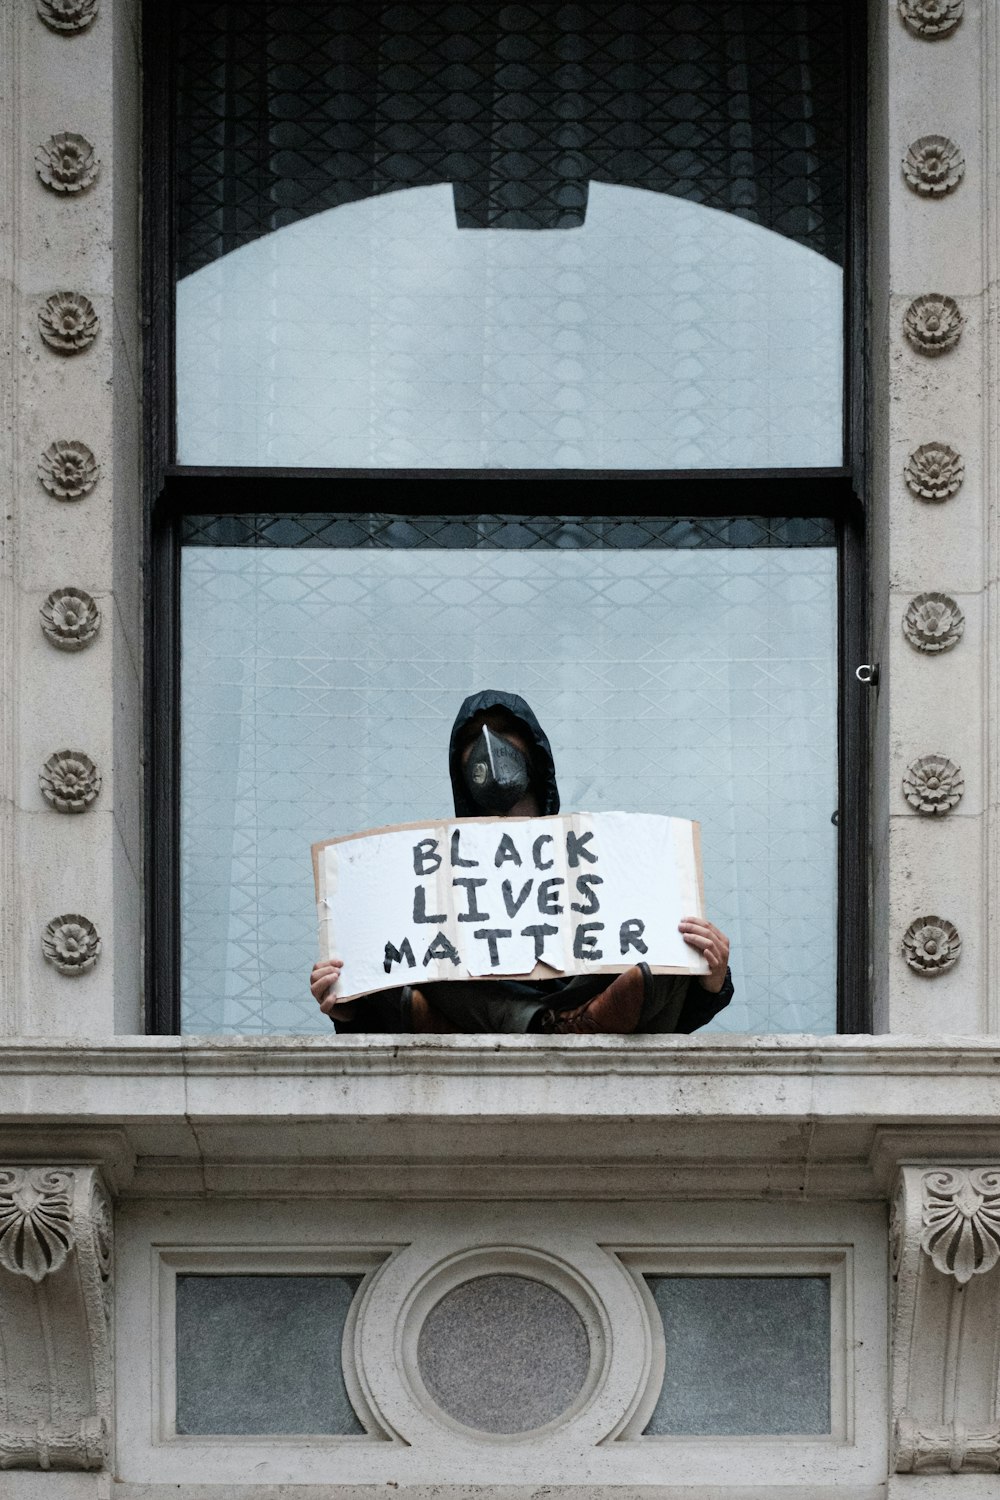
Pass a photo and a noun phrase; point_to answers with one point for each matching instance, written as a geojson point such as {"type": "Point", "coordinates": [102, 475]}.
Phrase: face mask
{"type": "Point", "coordinates": [496, 773]}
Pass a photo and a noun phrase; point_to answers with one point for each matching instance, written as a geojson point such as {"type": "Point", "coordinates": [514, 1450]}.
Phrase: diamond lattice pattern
{"type": "Point", "coordinates": [319, 685]}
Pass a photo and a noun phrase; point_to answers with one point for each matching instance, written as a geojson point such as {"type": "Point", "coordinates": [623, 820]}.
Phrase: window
{"type": "Point", "coordinates": [599, 257]}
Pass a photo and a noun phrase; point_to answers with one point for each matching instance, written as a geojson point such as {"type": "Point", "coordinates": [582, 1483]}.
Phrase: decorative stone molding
{"type": "Point", "coordinates": [951, 1449]}
{"type": "Point", "coordinates": [55, 1283]}
{"type": "Point", "coordinates": [66, 163]}
{"type": "Point", "coordinates": [946, 1320]}
{"type": "Point", "coordinates": [68, 470]}
{"type": "Point", "coordinates": [933, 623]}
{"type": "Point", "coordinates": [934, 165]}
{"type": "Point", "coordinates": [70, 781]}
{"type": "Point", "coordinates": [36, 1229]}
{"type": "Point", "coordinates": [933, 785]}
{"type": "Point", "coordinates": [932, 946]}
{"type": "Point", "coordinates": [67, 15]}
{"type": "Point", "coordinates": [72, 944]}
{"type": "Point", "coordinates": [932, 19]}
{"type": "Point", "coordinates": [933, 323]}
{"type": "Point", "coordinates": [70, 619]}
{"type": "Point", "coordinates": [934, 471]}
{"type": "Point", "coordinates": [68, 322]}
{"type": "Point", "coordinates": [961, 1220]}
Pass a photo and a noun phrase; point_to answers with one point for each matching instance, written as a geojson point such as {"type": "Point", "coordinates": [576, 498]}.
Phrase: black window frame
{"type": "Point", "coordinates": [173, 491]}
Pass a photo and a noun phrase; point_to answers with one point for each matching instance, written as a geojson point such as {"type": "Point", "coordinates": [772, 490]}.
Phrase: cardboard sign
{"type": "Point", "coordinates": [508, 898]}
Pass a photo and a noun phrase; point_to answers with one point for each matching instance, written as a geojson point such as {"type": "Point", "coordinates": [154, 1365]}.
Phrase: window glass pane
{"type": "Point", "coordinates": [744, 1354]}
{"type": "Point", "coordinates": [261, 1354]}
{"type": "Point", "coordinates": [320, 683]}
{"type": "Point", "coordinates": [502, 236]}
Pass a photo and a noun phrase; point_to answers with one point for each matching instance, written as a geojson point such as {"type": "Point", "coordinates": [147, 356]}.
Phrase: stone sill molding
{"type": "Point", "coordinates": [498, 1117]}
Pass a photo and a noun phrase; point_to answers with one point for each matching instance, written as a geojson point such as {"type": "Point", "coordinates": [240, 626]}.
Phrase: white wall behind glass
{"type": "Point", "coordinates": [319, 688]}
{"type": "Point", "coordinates": [659, 334]}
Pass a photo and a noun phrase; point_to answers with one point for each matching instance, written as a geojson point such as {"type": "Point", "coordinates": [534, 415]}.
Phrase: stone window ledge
{"type": "Point", "coordinates": [714, 1116]}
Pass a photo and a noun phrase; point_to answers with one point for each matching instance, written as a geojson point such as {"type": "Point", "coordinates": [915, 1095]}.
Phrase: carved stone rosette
{"type": "Point", "coordinates": [933, 323]}
{"type": "Point", "coordinates": [67, 15]}
{"type": "Point", "coordinates": [70, 781]}
{"type": "Point", "coordinates": [68, 470]}
{"type": "Point", "coordinates": [934, 471]}
{"type": "Point", "coordinates": [933, 623]}
{"type": "Point", "coordinates": [66, 163]}
{"type": "Point", "coordinates": [70, 619]}
{"type": "Point", "coordinates": [946, 1319]}
{"type": "Point", "coordinates": [932, 946]}
{"type": "Point", "coordinates": [68, 322]}
{"type": "Point", "coordinates": [931, 19]}
{"type": "Point", "coordinates": [934, 166]}
{"type": "Point", "coordinates": [933, 785]}
{"type": "Point", "coordinates": [55, 1301]}
{"type": "Point", "coordinates": [72, 944]}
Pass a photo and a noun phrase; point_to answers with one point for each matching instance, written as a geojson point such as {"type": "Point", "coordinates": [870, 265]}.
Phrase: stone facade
{"type": "Point", "coordinates": [588, 1163]}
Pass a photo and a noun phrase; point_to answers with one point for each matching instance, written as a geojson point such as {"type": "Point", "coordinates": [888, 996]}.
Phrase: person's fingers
{"type": "Point", "coordinates": [324, 976]}
{"type": "Point", "coordinates": [326, 1006]}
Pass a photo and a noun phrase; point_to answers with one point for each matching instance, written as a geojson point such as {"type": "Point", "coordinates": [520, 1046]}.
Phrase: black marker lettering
{"type": "Point", "coordinates": [507, 851]}
{"type": "Point", "coordinates": [630, 936]}
{"type": "Point", "coordinates": [512, 903]}
{"type": "Point", "coordinates": [426, 859]}
{"type": "Point", "coordinates": [441, 948]}
{"type": "Point", "coordinates": [492, 935]}
{"type": "Point", "coordinates": [584, 941]}
{"type": "Point", "coordinates": [420, 913]}
{"type": "Point", "coordinates": [396, 956]}
{"type": "Point", "coordinates": [539, 932]}
{"type": "Point", "coordinates": [584, 884]}
{"type": "Point", "coordinates": [473, 914]}
{"type": "Point", "coordinates": [456, 858]}
{"type": "Point", "coordinates": [536, 851]}
{"type": "Point", "coordinates": [575, 850]}
{"type": "Point", "coordinates": [547, 903]}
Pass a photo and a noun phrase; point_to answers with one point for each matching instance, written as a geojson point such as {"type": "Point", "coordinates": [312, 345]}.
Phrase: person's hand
{"type": "Point", "coordinates": [321, 981]}
{"type": "Point", "coordinates": [713, 945]}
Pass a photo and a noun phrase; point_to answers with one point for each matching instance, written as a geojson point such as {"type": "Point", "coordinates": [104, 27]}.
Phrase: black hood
{"type": "Point", "coordinates": [543, 771]}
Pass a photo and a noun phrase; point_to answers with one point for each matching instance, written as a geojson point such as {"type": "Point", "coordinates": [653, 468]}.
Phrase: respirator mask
{"type": "Point", "coordinates": [497, 774]}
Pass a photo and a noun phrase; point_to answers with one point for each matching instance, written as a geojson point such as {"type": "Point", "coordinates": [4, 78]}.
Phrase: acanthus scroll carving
{"type": "Point", "coordinates": [933, 323]}
{"type": "Point", "coordinates": [961, 1219]}
{"type": "Point", "coordinates": [55, 1298]}
{"type": "Point", "coordinates": [949, 1449]}
{"type": "Point", "coordinates": [931, 19]}
{"type": "Point", "coordinates": [946, 1319]}
{"type": "Point", "coordinates": [36, 1220]}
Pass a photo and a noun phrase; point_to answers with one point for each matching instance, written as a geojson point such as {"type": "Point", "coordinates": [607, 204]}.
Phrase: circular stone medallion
{"type": "Point", "coordinates": [503, 1354]}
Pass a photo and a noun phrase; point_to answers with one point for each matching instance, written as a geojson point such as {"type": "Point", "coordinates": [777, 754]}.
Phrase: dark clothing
{"type": "Point", "coordinates": [679, 1003]}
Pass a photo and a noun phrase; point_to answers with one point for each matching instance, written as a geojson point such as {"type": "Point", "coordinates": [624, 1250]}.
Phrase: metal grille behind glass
{"type": "Point", "coordinates": [325, 657]}
{"type": "Point", "coordinates": [481, 235]}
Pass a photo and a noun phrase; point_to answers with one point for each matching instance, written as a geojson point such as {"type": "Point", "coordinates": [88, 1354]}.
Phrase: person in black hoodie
{"type": "Point", "coordinates": [501, 763]}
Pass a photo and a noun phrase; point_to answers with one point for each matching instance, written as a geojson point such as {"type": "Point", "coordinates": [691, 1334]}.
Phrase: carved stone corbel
{"type": "Point", "coordinates": [55, 1317]}
{"type": "Point", "coordinates": [945, 1243]}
